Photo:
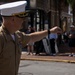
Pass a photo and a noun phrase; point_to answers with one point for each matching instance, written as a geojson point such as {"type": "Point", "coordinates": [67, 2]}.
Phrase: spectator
{"type": "Point", "coordinates": [53, 38]}
{"type": "Point", "coordinates": [71, 41]}
{"type": "Point", "coordinates": [30, 46]}
{"type": "Point", "coordinates": [65, 37]}
{"type": "Point", "coordinates": [39, 46]}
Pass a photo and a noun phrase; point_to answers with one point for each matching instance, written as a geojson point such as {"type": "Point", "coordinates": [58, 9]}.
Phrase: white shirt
{"type": "Point", "coordinates": [13, 37]}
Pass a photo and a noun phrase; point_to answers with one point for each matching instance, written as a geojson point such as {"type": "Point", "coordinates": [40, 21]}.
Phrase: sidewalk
{"type": "Point", "coordinates": [62, 57]}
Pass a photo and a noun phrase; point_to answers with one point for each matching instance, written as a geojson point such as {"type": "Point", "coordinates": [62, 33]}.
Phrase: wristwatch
{"type": "Point", "coordinates": [48, 31]}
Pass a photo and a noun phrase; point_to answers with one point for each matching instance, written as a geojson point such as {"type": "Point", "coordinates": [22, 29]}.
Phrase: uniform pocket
{"type": "Point", "coordinates": [8, 50]}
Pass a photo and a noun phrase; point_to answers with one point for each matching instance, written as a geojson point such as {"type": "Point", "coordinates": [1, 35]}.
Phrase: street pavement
{"type": "Point", "coordinates": [45, 68]}
{"type": "Point", "coordinates": [60, 57]}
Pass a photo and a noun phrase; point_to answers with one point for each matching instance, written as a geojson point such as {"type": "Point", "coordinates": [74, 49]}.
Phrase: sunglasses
{"type": "Point", "coordinates": [21, 15]}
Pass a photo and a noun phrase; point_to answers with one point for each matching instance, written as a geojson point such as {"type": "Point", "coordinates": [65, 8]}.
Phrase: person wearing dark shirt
{"type": "Point", "coordinates": [71, 41]}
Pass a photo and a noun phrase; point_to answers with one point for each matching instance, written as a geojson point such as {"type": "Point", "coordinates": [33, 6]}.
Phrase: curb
{"type": "Point", "coordinates": [51, 60]}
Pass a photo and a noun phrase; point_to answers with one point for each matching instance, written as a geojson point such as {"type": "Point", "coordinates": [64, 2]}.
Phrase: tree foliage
{"type": "Point", "coordinates": [71, 2]}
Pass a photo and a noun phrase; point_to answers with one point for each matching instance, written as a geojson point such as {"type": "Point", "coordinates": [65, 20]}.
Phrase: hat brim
{"type": "Point", "coordinates": [21, 14]}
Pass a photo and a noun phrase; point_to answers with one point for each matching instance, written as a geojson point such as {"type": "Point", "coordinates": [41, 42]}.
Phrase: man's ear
{"type": "Point", "coordinates": [13, 19]}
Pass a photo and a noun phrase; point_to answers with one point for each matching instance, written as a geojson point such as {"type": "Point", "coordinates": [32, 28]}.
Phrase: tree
{"type": "Point", "coordinates": [72, 4]}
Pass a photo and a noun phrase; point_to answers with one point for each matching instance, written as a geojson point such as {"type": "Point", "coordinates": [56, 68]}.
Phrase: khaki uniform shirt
{"type": "Point", "coordinates": [10, 51]}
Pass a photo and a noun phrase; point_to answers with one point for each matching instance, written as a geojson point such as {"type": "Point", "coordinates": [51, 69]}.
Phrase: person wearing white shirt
{"type": "Point", "coordinates": [52, 38]}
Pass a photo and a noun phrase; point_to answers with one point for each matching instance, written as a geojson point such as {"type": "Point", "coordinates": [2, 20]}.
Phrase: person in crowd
{"type": "Point", "coordinates": [71, 40]}
{"type": "Point", "coordinates": [65, 37]}
{"type": "Point", "coordinates": [30, 46]}
{"type": "Point", "coordinates": [53, 37]}
{"type": "Point", "coordinates": [13, 15]}
{"type": "Point", "coordinates": [39, 46]}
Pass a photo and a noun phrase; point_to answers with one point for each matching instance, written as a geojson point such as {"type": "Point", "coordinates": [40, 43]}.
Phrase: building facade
{"type": "Point", "coordinates": [55, 11]}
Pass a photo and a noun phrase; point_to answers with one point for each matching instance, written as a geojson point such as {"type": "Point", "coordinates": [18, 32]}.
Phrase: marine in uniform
{"type": "Point", "coordinates": [11, 39]}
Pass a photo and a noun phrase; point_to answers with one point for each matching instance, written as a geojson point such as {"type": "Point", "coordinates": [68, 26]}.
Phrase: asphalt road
{"type": "Point", "coordinates": [46, 68]}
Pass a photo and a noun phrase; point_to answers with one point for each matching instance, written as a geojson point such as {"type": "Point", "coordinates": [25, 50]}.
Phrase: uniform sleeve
{"type": "Point", "coordinates": [25, 38]}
